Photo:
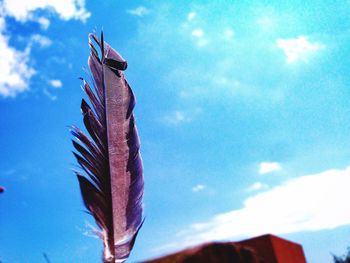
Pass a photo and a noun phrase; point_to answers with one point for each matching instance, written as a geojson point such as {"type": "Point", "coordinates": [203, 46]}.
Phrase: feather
{"type": "Point", "coordinates": [111, 183]}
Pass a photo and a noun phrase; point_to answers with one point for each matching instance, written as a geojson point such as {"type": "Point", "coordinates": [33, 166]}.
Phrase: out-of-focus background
{"type": "Point", "coordinates": [243, 109]}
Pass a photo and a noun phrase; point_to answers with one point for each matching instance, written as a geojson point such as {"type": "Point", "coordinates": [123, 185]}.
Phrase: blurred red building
{"type": "Point", "coordinates": [273, 249]}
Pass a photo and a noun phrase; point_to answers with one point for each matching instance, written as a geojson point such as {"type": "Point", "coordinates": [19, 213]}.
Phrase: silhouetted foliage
{"type": "Point", "coordinates": [342, 259]}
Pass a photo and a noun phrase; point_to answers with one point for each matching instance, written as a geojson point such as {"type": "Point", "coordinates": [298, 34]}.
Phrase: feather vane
{"type": "Point", "coordinates": [112, 187]}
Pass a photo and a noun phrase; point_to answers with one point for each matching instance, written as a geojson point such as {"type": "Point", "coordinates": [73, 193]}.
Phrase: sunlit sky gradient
{"type": "Point", "coordinates": [243, 109]}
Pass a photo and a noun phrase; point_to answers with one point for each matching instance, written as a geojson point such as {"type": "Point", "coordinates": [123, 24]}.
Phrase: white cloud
{"type": "Point", "coordinates": [257, 186]}
{"type": "Point", "coordinates": [269, 167]}
{"type": "Point", "coordinates": [44, 22]}
{"type": "Point", "coordinates": [198, 187]}
{"type": "Point", "coordinates": [191, 16]}
{"type": "Point", "coordinates": [139, 11]}
{"type": "Point", "coordinates": [308, 203]}
{"type": "Point", "coordinates": [56, 83]}
{"type": "Point", "coordinates": [15, 71]}
{"type": "Point", "coordinates": [66, 9]}
{"type": "Point", "coordinates": [228, 34]}
{"type": "Point", "coordinates": [298, 48]}
{"type": "Point", "coordinates": [41, 40]}
{"type": "Point", "coordinates": [198, 33]}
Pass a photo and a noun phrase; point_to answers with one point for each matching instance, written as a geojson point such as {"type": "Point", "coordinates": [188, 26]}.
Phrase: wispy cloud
{"type": "Point", "coordinates": [269, 167]}
{"type": "Point", "coordinates": [179, 116]}
{"type": "Point", "coordinates": [228, 34]}
{"type": "Point", "coordinates": [139, 11]}
{"type": "Point", "coordinates": [198, 188]}
{"type": "Point", "coordinates": [286, 208]}
{"type": "Point", "coordinates": [199, 37]}
{"type": "Point", "coordinates": [299, 48]}
{"type": "Point", "coordinates": [220, 46]}
{"type": "Point", "coordinates": [198, 33]}
{"type": "Point", "coordinates": [55, 83]}
{"type": "Point", "coordinates": [257, 186]}
{"type": "Point", "coordinates": [43, 41]}
{"type": "Point", "coordinates": [43, 22]}
{"type": "Point", "coordinates": [191, 16]}
{"type": "Point", "coordinates": [49, 95]}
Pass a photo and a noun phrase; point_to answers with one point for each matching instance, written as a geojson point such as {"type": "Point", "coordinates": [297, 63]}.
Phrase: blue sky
{"type": "Point", "coordinates": [242, 108]}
